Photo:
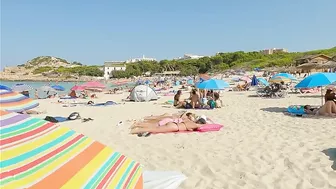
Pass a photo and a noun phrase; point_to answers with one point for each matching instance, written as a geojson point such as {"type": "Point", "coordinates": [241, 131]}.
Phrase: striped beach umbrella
{"type": "Point", "coordinates": [16, 102]}
{"type": "Point", "coordinates": [280, 79]}
{"type": "Point", "coordinates": [39, 154]}
{"type": "Point", "coordinates": [20, 87]}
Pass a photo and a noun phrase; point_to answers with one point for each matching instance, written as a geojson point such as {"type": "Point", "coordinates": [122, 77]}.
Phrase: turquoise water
{"type": "Point", "coordinates": [38, 84]}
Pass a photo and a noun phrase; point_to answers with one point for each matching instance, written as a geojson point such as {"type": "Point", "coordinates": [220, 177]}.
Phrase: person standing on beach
{"type": "Point", "coordinates": [36, 94]}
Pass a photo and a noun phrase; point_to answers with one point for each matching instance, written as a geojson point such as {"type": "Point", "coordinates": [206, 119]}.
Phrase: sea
{"type": "Point", "coordinates": [38, 84]}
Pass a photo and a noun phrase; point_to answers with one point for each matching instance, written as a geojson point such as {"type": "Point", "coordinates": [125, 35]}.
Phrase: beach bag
{"type": "Point", "coordinates": [51, 119]}
{"type": "Point", "coordinates": [74, 116]}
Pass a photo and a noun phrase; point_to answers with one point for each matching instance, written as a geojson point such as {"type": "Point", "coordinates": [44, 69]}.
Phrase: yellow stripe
{"type": "Point", "coordinates": [32, 144]}
{"type": "Point", "coordinates": [47, 170]}
{"type": "Point", "coordinates": [116, 178]}
{"type": "Point", "coordinates": [136, 178]}
{"type": "Point", "coordinates": [88, 171]}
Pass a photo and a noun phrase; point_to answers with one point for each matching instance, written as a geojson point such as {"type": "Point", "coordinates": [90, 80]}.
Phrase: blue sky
{"type": "Point", "coordinates": [94, 31]}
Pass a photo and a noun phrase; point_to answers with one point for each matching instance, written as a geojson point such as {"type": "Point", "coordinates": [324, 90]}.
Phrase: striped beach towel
{"type": "Point", "coordinates": [39, 154]}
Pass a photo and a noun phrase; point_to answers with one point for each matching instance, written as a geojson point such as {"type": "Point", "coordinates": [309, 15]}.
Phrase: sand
{"type": "Point", "coordinates": [259, 147]}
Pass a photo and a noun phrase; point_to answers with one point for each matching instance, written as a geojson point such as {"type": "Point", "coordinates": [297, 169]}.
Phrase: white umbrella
{"type": "Point", "coordinates": [20, 87]}
{"type": "Point", "coordinates": [47, 89]}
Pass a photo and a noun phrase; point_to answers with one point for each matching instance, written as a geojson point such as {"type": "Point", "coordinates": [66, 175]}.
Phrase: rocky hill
{"type": "Point", "coordinates": [51, 61]}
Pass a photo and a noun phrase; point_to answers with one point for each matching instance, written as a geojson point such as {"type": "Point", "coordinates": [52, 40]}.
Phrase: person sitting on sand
{"type": "Point", "coordinates": [328, 109]}
{"type": "Point", "coordinates": [72, 94]}
{"type": "Point", "coordinates": [186, 122]}
{"type": "Point", "coordinates": [195, 100]}
{"type": "Point", "coordinates": [177, 102]}
{"type": "Point", "coordinates": [242, 87]}
{"type": "Point", "coordinates": [330, 96]}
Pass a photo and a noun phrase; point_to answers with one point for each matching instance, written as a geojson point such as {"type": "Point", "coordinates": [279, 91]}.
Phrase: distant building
{"type": "Point", "coordinates": [143, 58]}
{"type": "Point", "coordinates": [274, 50]}
{"type": "Point", "coordinates": [189, 57]}
{"type": "Point", "coordinates": [110, 66]}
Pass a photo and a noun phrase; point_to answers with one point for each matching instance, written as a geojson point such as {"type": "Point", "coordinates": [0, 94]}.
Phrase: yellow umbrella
{"type": "Point", "coordinates": [279, 79]}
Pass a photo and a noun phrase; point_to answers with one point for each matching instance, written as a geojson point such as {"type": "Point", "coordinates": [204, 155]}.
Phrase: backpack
{"type": "Point", "coordinates": [51, 119]}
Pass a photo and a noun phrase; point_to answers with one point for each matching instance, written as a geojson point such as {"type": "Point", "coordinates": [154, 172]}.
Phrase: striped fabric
{"type": "Point", "coordinates": [279, 79]}
{"type": "Point", "coordinates": [39, 154]}
{"type": "Point", "coordinates": [15, 102]}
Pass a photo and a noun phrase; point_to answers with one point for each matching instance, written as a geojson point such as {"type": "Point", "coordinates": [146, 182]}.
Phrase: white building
{"type": "Point", "coordinates": [189, 57]}
{"type": "Point", "coordinates": [274, 50]}
{"type": "Point", "coordinates": [140, 59]}
{"type": "Point", "coordinates": [110, 66]}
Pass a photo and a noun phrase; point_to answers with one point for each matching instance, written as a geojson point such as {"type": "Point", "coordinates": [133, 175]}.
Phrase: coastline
{"type": "Point", "coordinates": [17, 77]}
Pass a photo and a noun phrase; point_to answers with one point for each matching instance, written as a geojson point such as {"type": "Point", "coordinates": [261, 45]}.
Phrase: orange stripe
{"type": "Point", "coordinates": [2, 113]}
{"type": "Point", "coordinates": [67, 171]}
{"type": "Point", "coordinates": [25, 101]}
{"type": "Point", "coordinates": [139, 184]}
{"type": "Point", "coordinates": [9, 94]}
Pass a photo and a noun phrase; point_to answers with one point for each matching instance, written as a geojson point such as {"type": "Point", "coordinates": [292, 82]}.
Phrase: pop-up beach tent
{"type": "Point", "coordinates": [39, 154]}
{"type": "Point", "coordinates": [143, 93]}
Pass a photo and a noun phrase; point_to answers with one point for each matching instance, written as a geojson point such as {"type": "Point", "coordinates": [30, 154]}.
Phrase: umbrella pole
{"type": "Point", "coordinates": [321, 96]}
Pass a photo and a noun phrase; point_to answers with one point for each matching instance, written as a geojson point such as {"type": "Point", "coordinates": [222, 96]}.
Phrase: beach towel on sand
{"type": "Point", "coordinates": [205, 128]}
{"type": "Point", "coordinates": [296, 110]}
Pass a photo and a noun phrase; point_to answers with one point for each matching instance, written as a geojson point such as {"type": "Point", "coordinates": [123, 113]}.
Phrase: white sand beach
{"type": "Point", "coordinates": [259, 147]}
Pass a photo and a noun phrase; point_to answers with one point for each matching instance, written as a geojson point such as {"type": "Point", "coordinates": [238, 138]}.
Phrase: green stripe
{"type": "Point", "coordinates": [24, 130]}
{"type": "Point", "coordinates": [105, 172]}
{"type": "Point", "coordinates": [46, 163]}
{"type": "Point", "coordinates": [132, 179]}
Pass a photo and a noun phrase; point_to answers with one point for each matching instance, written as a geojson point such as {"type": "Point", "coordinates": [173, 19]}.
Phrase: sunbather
{"type": "Point", "coordinates": [185, 123]}
{"type": "Point", "coordinates": [328, 109]}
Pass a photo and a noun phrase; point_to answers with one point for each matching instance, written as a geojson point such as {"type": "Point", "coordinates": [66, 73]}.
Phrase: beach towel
{"type": "Point", "coordinates": [108, 103]}
{"type": "Point", "coordinates": [205, 128]}
{"type": "Point", "coordinates": [296, 110]}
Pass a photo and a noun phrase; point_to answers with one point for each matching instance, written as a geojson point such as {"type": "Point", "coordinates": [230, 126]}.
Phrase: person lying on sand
{"type": "Point", "coordinates": [328, 109]}
{"type": "Point", "coordinates": [32, 112]}
{"type": "Point", "coordinates": [186, 122]}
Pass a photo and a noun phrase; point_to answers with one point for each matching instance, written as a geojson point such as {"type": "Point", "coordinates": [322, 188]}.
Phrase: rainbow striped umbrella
{"type": "Point", "coordinates": [279, 79]}
{"type": "Point", "coordinates": [39, 154]}
{"type": "Point", "coordinates": [15, 102]}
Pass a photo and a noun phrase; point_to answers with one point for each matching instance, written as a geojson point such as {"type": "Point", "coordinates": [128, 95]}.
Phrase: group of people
{"type": "Point", "coordinates": [203, 99]}
{"type": "Point", "coordinates": [168, 123]}
{"type": "Point", "coordinates": [329, 107]}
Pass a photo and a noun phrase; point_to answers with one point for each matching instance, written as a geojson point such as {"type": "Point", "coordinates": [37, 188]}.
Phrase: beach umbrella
{"type": "Point", "coordinates": [280, 79]}
{"type": "Point", "coordinates": [20, 87]}
{"type": "Point", "coordinates": [287, 75]}
{"type": "Point", "coordinates": [58, 88]}
{"type": "Point", "coordinates": [317, 80]}
{"type": "Point", "coordinates": [245, 78]}
{"type": "Point", "coordinates": [263, 81]}
{"type": "Point", "coordinates": [93, 84]}
{"type": "Point", "coordinates": [77, 88]}
{"type": "Point", "coordinates": [47, 89]}
{"type": "Point", "coordinates": [213, 84]}
{"type": "Point", "coordinates": [254, 81]}
{"type": "Point", "coordinates": [4, 87]}
{"type": "Point", "coordinates": [16, 102]}
{"type": "Point", "coordinates": [39, 154]}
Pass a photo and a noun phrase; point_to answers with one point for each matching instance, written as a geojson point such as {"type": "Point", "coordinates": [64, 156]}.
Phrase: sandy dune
{"type": "Point", "coordinates": [259, 147]}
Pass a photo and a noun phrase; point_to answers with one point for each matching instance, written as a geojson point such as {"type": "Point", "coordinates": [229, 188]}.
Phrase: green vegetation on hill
{"type": "Point", "coordinates": [79, 70]}
{"type": "Point", "coordinates": [46, 59]}
{"type": "Point", "coordinates": [219, 62]}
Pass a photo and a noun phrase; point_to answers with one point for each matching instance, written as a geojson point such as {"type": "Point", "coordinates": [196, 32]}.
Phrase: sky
{"type": "Point", "coordinates": [92, 32]}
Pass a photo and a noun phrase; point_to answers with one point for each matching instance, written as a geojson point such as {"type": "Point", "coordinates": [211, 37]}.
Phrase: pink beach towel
{"type": "Point", "coordinates": [203, 129]}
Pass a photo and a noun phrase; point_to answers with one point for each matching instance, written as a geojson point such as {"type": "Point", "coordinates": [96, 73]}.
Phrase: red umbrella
{"type": "Point", "coordinates": [93, 84]}
{"type": "Point", "coordinates": [78, 88]}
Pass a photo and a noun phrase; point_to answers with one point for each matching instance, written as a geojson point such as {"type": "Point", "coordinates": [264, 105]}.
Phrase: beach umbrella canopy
{"type": "Point", "coordinates": [20, 87]}
{"type": "Point", "coordinates": [317, 80]}
{"type": "Point", "coordinates": [37, 154]}
{"type": "Point", "coordinates": [77, 88]}
{"type": "Point", "coordinates": [4, 87]}
{"type": "Point", "coordinates": [254, 81]}
{"type": "Point", "coordinates": [213, 84]}
{"type": "Point", "coordinates": [47, 89]}
{"type": "Point", "coordinates": [263, 81]}
{"type": "Point", "coordinates": [15, 102]}
{"type": "Point", "coordinates": [58, 88]}
{"type": "Point", "coordinates": [280, 79]}
{"type": "Point", "coordinates": [94, 84]}
{"type": "Point", "coordinates": [245, 78]}
{"type": "Point", "coordinates": [287, 75]}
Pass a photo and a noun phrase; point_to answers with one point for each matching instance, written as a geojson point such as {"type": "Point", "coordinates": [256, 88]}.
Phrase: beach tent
{"type": "Point", "coordinates": [39, 154]}
{"type": "Point", "coordinates": [16, 102]}
{"type": "Point", "coordinates": [142, 93]}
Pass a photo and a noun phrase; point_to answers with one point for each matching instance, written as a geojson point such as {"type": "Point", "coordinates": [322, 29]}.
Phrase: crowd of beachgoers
{"type": "Point", "coordinates": [236, 113]}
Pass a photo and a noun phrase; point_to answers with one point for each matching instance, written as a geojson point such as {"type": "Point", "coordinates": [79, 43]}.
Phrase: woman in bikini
{"type": "Point", "coordinates": [168, 124]}
{"type": "Point", "coordinates": [328, 109]}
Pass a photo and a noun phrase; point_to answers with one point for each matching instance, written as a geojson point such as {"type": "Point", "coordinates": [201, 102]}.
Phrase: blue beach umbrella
{"type": "Point", "coordinates": [254, 81]}
{"type": "Point", "coordinates": [287, 75]}
{"type": "Point", "coordinates": [317, 80]}
{"type": "Point", "coordinates": [4, 87]}
{"type": "Point", "coordinates": [213, 84]}
{"type": "Point", "coordinates": [263, 81]}
{"type": "Point", "coordinates": [58, 88]}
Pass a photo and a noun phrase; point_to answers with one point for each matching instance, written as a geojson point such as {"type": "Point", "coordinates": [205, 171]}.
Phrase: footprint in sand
{"type": "Point", "coordinates": [332, 178]}
{"type": "Point", "coordinates": [317, 179]}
